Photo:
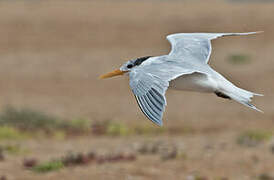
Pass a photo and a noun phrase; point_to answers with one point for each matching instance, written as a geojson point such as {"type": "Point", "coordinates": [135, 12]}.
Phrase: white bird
{"type": "Point", "coordinates": [184, 68]}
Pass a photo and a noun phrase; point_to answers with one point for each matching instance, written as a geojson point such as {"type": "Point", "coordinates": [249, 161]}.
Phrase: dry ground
{"type": "Point", "coordinates": [51, 53]}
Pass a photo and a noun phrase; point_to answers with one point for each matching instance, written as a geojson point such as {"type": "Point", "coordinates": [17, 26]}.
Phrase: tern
{"type": "Point", "coordinates": [184, 68]}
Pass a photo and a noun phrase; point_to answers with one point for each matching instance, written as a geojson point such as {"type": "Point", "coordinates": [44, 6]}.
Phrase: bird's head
{"type": "Point", "coordinates": [126, 67]}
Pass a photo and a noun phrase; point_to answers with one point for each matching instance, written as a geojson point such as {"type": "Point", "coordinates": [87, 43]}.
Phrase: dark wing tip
{"type": "Point", "coordinates": [150, 111]}
{"type": "Point", "coordinates": [152, 105]}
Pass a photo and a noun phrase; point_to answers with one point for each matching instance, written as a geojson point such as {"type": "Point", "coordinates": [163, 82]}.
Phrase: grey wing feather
{"type": "Point", "coordinates": [148, 107]}
{"type": "Point", "coordinates": [150, 81]}
{"type": "Point", "coordinates": [149, 91]}
{"type": "Point", "coordinates": [195, 46]}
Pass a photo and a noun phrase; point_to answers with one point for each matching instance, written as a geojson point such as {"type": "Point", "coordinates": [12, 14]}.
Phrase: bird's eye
{"type": "Point", "coordinates": [129, 66]}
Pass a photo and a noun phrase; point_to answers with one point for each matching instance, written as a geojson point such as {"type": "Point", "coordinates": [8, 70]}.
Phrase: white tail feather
{"type": "Point", "coordinates": [244, 97]}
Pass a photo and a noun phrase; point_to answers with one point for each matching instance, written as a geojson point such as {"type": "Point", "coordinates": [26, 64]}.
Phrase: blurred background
{"type": "Point", "coordinates": [58, 121]}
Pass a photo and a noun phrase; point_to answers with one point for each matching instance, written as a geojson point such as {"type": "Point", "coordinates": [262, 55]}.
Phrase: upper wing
{"type": "Point", "coordinates": [195, 46]}
{"type": "Point", "coordinates": [149, 84]}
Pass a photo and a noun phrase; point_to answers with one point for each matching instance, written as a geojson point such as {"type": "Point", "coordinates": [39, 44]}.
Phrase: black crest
{"type": "Point", "coordinates": [140, 60]}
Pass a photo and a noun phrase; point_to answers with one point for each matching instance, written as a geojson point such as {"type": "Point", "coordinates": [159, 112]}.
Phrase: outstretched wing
{"type": "Point", "coordinates": [149, 84]}
{"type": "Point", "coordinates": [149, 91]}
{"type": "Point", "coordinates": [195, 46]}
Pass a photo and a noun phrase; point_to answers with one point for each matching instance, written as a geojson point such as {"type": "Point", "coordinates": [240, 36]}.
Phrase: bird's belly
{"type": "Point", "coordinates": [194, 82]}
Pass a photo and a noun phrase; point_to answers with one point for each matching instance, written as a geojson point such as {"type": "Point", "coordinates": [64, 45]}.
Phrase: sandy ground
{"type": "Point", "coordinates": [52, 52]}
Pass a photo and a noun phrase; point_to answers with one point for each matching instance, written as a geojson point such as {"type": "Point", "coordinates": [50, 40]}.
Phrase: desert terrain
{"type": "Point", "coordinates": [52, 52]}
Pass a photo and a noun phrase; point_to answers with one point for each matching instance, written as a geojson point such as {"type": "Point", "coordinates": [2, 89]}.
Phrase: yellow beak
{"type": "Point", "coordinates": [111, 74]}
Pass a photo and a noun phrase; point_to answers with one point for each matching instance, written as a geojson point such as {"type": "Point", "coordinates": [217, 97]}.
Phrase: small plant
{"type": "Point", "coordinates": [59, 134]}
{"type": "Point", "coordinates": [253, 137]}
{"type": "Point", "coordinates": [110, 128]}
{"type": "Point", "coordinates": [72, 159]}
{"type": "Point", "coordinates": [149, 130]}
{"type": "Point", "coordinates": [99, 127]}
{"type": "Point", "coordinates": [182, 155]}
{"type": "Point", "coordinates": [118, 129]}
{"type": "Point", "coordinates": [12, 149]}
{"type": "Point", "coordinates": [33, 121]}
{"type": "Point", "coordinates": [238, 59]}
{"type": "Point", "coordinates": [10, 133]}
{"type": "Point", "coordinates": [26, 119]}
{"type": "Point", "coordinates": [48, 166]}
{"type": "Point", "coordinates": [76, 159]}
{"type": "Point", "coordinates": [77, 125]}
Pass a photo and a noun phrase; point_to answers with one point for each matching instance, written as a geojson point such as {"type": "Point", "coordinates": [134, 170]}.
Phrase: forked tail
{"type": "Point", "coordinates": [242, 96]}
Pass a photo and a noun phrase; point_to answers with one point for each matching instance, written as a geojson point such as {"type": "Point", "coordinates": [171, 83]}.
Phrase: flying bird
{"type": "Point", "coordinates": [184, 68]}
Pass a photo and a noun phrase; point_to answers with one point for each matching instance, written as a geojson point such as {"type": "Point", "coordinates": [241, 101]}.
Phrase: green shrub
{"type": "Point", "coordinates": [13, 149]}
{"type": "Point", "coordinates": [120, 129]}
{"type": "Point", "coordinates": [48, 166]}
{"type": "Point", "coordinates": [77, 125]}
{"type": "Point", "coordinates": [30, 120]}
{"type": "Point", "coordinates": [253, 137]}
{"type": "Point", "coordinates": [26, 119]}
{"type": "Point", "coordinates": [149, 130]}
{"type": "Point", "coordinates": [9, 133]}
{"type": "Point", "coordinates": [117, 129]}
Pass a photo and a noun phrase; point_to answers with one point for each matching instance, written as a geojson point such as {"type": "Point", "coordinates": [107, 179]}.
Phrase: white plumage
{"type": "Point", "coordinates": [184, 68]}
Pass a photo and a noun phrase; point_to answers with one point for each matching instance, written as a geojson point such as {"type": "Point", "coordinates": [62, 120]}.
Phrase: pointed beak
{"type": "Point", "coordinates": [111, 74]}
